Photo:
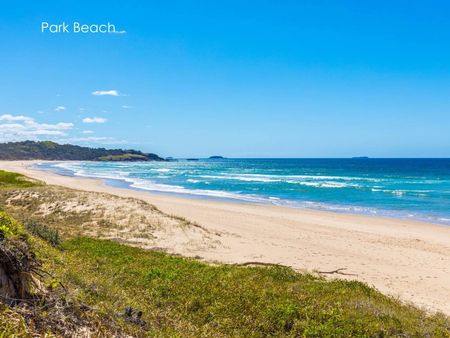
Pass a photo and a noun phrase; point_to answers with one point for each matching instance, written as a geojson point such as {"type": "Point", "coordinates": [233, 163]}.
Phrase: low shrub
{"type": "Point", "coordinates": [44, 232]}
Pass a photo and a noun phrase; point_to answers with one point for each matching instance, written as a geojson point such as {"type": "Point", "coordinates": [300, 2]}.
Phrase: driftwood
{"type": "Point", "coordinates": [263, 264]}
{"type": "Point", "coordinates": [337, 272]}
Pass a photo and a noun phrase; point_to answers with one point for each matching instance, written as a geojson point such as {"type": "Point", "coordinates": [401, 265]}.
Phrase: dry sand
{"type": "Point", "coordinates": [406, 259]}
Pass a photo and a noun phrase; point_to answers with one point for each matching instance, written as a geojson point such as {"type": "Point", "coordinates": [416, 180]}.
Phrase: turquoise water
{"type": "Point", "coordinates": [405, 188]}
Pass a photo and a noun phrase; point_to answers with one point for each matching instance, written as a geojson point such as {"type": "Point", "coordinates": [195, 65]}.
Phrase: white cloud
{"type": "Point", "coordinates": [126, 107]}
{"type": "Point", "coordinates": [94, 120]}
{"type": "Point", "coordinates": [60, 125]}
{"type": "Point", "coordinates": [94, 139]}
{"type": "Point", "coordinates": [9, 117]}
{"type": "Point", "coordinates": [15, 128]}
{"type": "Point", "coordinates": [26, 128]}
{"type": "Point", "coordinates": [111, 92]}
{"type": "Point", "coordinates": [60, 108]}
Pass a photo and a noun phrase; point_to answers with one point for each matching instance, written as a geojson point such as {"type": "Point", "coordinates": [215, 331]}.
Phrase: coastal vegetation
{"type": "Point", "coordinates": [14, 180]}
{"type": "Point", "coordinates": [47, 150]}
{"type": "Point", "coordinates": [80, 283]}
{"type": "Point", "coordinates": [123, 157]}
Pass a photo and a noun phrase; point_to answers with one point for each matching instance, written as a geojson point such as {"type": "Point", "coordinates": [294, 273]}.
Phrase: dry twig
{"type": "Point", "coordinates": [337, 272]}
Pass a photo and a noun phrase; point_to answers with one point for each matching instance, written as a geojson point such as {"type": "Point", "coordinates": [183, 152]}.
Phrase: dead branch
{"type": "Point", "coordinates": [263, 264]}
{"type": "Point", "coordinates": [337, 272]}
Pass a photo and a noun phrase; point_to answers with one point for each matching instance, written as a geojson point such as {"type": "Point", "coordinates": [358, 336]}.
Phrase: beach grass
{"type": "Point", "coordinates": [14, 180]}
{"type": "Point", "coordinates": [183, 297]}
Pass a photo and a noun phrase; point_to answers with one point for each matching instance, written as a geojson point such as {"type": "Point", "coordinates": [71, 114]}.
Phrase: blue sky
{"type": "Point", "coordinates": [237, 78]}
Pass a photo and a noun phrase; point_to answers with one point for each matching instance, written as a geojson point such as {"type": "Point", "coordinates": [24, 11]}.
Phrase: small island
{"type": "Point", "coordinates": [216, 157]}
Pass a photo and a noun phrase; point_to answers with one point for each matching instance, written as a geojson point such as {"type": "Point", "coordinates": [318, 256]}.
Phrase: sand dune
{"type": "Point", "coordinates": [402, 258]}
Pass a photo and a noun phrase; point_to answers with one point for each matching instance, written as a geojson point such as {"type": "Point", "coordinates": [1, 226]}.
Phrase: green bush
{"type": "Point", "coordinates": [14, 180]}
{"type": "Point", "coordinates": [9, 227]}
{"type": "Point", "coordinates": [48, 234]}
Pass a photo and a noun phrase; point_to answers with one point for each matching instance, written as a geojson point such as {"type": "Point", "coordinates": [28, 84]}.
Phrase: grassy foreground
{"type": "Point", "coordinates": [14, 180]}
{"type": "Point", "coordinates": [117, 290]}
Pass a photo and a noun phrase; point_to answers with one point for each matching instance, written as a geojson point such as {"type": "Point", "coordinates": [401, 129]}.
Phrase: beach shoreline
{"type": "Point", "coordinates": [404, 258]}
{"type": "Point", "coordinates": [385, 188]}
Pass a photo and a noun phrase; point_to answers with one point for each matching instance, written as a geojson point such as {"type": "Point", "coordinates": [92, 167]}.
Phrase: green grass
{"type": "Point", "coordinates": [14, 180]}
{"type": "Point", "coordinates": [180, 296]}
{"type": "Point", "coordinates": [12, 324]}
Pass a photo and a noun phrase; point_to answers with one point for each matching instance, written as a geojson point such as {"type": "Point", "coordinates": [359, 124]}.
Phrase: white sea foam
{"type": "Point", "coordinates": [161, 170]}
{"type": "Point", "coordinates": [159, 187]}
{"type": "Point", "coordinates": [246, 178]}
{"type": "Point", "coordinates": [325, 184]}
{"type": "Point", "coordinates": [313, 177]}
{"type": "Point", "coordinates": [306, 180]}
{"type": "Point", "coordinates": [152, 186]}
{"type": "Point", "coordinates": [190, 180]}
{"type": "Point", "coordinates": [337, 185]}
{"type": "Point", "coordinates": [398, 193]}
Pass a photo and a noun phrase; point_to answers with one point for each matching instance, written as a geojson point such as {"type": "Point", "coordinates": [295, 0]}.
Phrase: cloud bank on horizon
{"type": "Point", "coordinates": [14, 128]}
{"type": "Point", "coordinates": [20, 128]}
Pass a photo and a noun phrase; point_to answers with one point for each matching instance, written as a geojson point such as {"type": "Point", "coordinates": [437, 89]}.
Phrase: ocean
{"type": "Point", "coordinates": [402, 188]}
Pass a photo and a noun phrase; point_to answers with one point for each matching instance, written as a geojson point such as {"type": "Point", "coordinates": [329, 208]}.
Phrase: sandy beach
{"type": "Point", "coordinates": [406, 259]}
